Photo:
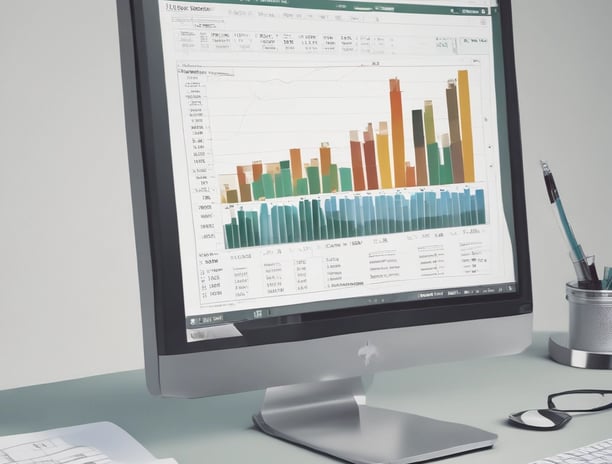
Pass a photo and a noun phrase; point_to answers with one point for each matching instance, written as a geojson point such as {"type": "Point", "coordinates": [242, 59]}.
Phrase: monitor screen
{"type": "Point", "coordinates": [304, 172]}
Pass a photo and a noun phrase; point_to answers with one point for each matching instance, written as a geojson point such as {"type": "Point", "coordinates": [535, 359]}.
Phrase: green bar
{"type": "Point", "coordinates": [289, 224]}
{"type": "Point", "coordinates": [303, 231]}
{"type": "Point", "coordinates": [333, 176]}
{"type": "Point", "coordinates": [285, 164]}
{"type": "Point", "coordinates": [446, 170]}
{"type": "Point", "coordinates": [286, 182]}
{"type": "Point", "coordinates": [242, 229]}
{"type": "Point", "coordinates": [346, 180]}
{"type": "Point", "coordinates": [433, 163]}
{"type": "Point", "coordinates": [229, 239]}
{"type": "Point", "coordinates": [314, 181]}
{"type": "Point", "coordinates": [282, 224]}
{"type": "Point", "coordinates": [278, 186]}
{"type": "Point", "coordinates": [297, 227]}
{"type": "Point", "coordinates": [302, 186]}
{"type": "Point", "coordinates": [252, 216]}
{"type": "Point", "coordinates": [235, 234]}
{"type": "Point", "coordinates": [308, 214]}
{"type": "Point", "coordinates": [326, 180]}
{"type": "Point", "coordinates": [268, 185]}
{"type": "Point", "coordinates": [258, 190]}
{"type": "Point", "coordinates": [316, 224]}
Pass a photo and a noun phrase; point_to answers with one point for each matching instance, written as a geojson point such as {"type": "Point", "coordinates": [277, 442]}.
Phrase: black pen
{"type": "Point", "coordinates": [585, 270]}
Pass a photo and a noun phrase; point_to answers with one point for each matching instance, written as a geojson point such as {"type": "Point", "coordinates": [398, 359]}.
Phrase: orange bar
{"type": "Point", "coordinates": [245, 192]}
{"type": "Point", "coordinates": [465, 116]}
{"type": "Point", "coordinates": [357, 162]}
{"type": "Point", "coordinates": [325, 153]}
{"type": "Point", "coordinates": [295, 156]}
{"type": "Point", "coordinates": [384, 165]}
{"type": "Point", "coordinates": [257, 170]}
{"type": "Point", "coordinates": [240, 172]}
{"type": "Point", "coordinates": [397, 133]}
{"type": "Point", "coordinates": [410, 175]}
{"type": "Point", "coordinates": [369, 153]}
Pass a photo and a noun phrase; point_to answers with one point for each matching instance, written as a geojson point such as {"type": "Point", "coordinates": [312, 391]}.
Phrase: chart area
{"type": "Point", "coordinates": [313, 165]}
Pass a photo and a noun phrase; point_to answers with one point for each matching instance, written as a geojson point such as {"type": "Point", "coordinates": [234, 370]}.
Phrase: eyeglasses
{"type": "Point", "coordinates": [559, 405]}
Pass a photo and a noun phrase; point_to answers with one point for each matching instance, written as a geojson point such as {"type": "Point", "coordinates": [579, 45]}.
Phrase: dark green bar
{"type": "Point", "coordinates": [316, 224]}
{"type": "Point", "coordinates": [252, 216]}
{"type": "Point", "coordinates": [242, 229]}
{"type": "Point", "coordinates": [235, 234]}
{"type": "Point", "coordinates": [433, 163]}
{"type": "Point", "coordinates": [308, 214]}
{"type": "Point", "coordinates": [229, 239]}
{"type": "Point", "coordinates": [285, 164]}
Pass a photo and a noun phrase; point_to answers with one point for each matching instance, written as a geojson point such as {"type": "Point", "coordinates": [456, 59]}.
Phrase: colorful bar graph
{"type": "Point", "coordinates": [378, 158]}
{"type": "Point", "coordinates": [355, 216]}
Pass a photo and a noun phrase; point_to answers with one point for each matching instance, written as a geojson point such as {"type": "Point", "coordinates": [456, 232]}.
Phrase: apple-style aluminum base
{"type": "Point", "coordinates": [327, 418]}
{"type": "Point", "coordinates": [559, 350]}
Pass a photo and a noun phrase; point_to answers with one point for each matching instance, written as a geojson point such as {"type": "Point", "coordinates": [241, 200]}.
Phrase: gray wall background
{"type": "Point", "coordinates": [69, 304]}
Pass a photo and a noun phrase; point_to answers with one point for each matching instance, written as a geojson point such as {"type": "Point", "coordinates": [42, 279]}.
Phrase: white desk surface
{"type": "Point", "coordinates": [219, 429]}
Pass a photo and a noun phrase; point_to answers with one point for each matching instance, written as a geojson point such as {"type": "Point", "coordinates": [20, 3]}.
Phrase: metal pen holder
{"type": "Point", "coordinates": [588, 343]}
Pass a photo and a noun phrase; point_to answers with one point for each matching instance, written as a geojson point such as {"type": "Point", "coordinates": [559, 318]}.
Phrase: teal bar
{"type": "Point", "coordinates": [258, 190]}
{"type": "Point", "coordinates": [282, 224]}
{"type": "Point", "coordinates": [303, 228]}
{"type": "Point", "coordinates": [316, 224]}
{"type": "Point", "coordinates": [297, 229]}
{"type": "Point", "coordinates": [314, 182]}
{"type": "Point", "coordinates": [446, 170]}
{"type": "Point", "coordinates": [289, 224]}
{"type": "Point", "coordinates": [268, 185]}
{"type": "Point", "coordinates": [286, 182]}
{"type": "Point", "coordinates": [433, 163]}
{"type": "Point", "coordinates": [264, 225]}
{"type": "Point", "coordinates": [235, 234]}
{"type": "Point", "coordinates": [346, 180]}
{"type": "Point", "coordinates": [480, 207]}
{"type": "Point", "coordinates": [326, 181]}
{"type": "Point", "coordinates": [278, 186]}
{"type": "Point", "coordinates": [229, 237]}
{"type": "Point", "coordinates": [308, 214]}
{"type": "Point", "coordinates": [275, 226]}
{"type": "Point", "coordinates": [302, 187]}
{"type": "Point", "coordinates": [242, 229]}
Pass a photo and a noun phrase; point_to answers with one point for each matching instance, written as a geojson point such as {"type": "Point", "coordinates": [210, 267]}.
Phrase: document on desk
{"type": "Point", "coordinates": [95, 443]}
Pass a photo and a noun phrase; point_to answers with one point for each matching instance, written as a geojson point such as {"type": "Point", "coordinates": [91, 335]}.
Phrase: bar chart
{"type": "Point", "coordinates": [335, 217]}
{"type": "Point", "coordinates": [413, 170]}
{"type": "Point", "coordinates": [378, 154]}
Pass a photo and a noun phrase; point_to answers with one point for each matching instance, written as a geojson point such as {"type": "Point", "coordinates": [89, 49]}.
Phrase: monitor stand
{"type": "Point", "coordinates": [327, 417]}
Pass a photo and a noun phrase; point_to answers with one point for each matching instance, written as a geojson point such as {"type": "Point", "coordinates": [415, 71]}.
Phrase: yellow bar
{"type": "Point", "coordinates": [384, 163]}
{"type": "Point", "coordinates": [465, 115]}
{"type": "Point", "coordinates": [430, 130]}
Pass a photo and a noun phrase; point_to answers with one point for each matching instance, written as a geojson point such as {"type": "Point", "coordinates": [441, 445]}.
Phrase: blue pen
{"type": "Point", "coordinates": [585, 271]}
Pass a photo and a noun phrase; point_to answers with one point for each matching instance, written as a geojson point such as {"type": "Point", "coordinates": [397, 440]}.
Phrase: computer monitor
{"type": "Point", "coordinates": [323, 190]}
